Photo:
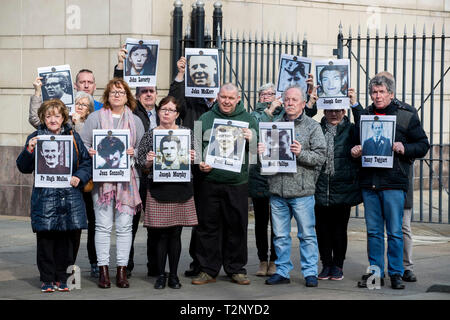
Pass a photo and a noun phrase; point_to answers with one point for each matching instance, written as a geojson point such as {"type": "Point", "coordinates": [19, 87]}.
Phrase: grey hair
{"type": "Point", "coordinates": [81, 94]}
{"type": "Point", "coordinates": [295, 86]}
{"type": "Point", "coordinates": [229, 87]}
{"type": "Point", "coordinates": [266, 86]}
{"type": "Point", "coordinates": [382, 80]}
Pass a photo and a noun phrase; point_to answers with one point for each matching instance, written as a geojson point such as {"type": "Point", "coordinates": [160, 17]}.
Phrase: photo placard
{"type": "Point", "coordinates": [202, 73]}
{"type": "Point", "coordinates": [53, 161]}
{"type": "Point", "coordinates": [57, 84]}
{"type": "Point", "coordinates": [173, 158]}
{"type": "Point", "coordinates": [141, 64]}
{"type": "Point", "coordinates": [333, 81]}
{"type": "Point", "coordinates": [111, 162]}
{"type": "Point", "coordinates": [278, 138]}
{"type": "Point", "coordinates": [293, 70]}
{"type": "Point", "coordinates": [226, 145]}
{"type": "Point", "coordinates": [377, 135]}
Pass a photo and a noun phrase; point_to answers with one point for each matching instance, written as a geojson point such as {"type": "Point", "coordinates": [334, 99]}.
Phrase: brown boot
{"type": "Point", "coordinates": [103, 279]}
{"type": "Point", "coordinates": [121, 277]}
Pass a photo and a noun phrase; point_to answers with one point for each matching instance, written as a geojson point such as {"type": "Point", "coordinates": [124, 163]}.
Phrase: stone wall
{"type": "Point", "coordinates": [88, 34]}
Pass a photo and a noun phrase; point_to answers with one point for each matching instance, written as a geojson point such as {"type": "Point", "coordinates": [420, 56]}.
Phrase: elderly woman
{"type": "Point", "coordinates": [170, 205]}
{"type": "Point", "coordinates": [84, 105]}
{"type": "Point", "coordinates": [268, 109]}
{"type": "Point", "coordinates": [56, 213]}
{"type": "Point", "coordinates": [337, 190]}
{"type": "Point", "coordinates": [115, 201]}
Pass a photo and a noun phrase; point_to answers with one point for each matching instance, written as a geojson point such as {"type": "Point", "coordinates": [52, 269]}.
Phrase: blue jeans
{"type": "Point", "coordinates": [302, 209]}
{"type": "Point", "coordinates": [380, 208]}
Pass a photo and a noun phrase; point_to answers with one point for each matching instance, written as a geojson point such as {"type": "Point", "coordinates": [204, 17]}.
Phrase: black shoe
{"type": "Point", "coordinates": [174, 282]}
{"type": "Point", "coordinates": [193, 272]}
{"type": "Point", "coordinates": [363, 282]}
{"type": "Point", "coordinates": [409, 276]}
{"type": "Point", "coordinates": [277, 279]}
{"type": "Point", "coordinates": [161, 282]}
{"type": "Point", "coordinates": [396, 282]}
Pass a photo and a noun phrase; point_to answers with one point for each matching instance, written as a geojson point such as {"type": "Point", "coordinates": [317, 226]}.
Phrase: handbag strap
{"type": "Point", "coordinates": [76, 147]}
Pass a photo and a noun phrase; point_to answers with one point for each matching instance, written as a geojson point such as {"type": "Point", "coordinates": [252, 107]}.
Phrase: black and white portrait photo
{"type": "Point", "coordinates": [277, 138]}
{"type": "Point", "coordinates": [111, 163]}
{"type": "Point", "coordinates": [293, 71]}
{"type": "Point", "coordinates": [53, 161]}
{"type": "Point", "coordinates": [202, 74]}
{"type": "Point", "coordinates": [172, 161]}
{"type": "Point", "coordinates": [226, 145]}
{"type": "Point", "coordinates": [332, 78]}
{"type": "Point", "coordinates": [57, 84]}
{"type": "Point", "coordinates": [377, 136]}
{"type": "Point", "coordinates": [140, 66]}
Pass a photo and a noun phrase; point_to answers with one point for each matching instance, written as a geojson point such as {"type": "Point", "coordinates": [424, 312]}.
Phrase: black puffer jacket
{"type": "Point", "coordinates": [342, 188]}
{"type": "Point", "coordinates": [407, 131]}
{"type": "Point", "coordinates": [58, 209]}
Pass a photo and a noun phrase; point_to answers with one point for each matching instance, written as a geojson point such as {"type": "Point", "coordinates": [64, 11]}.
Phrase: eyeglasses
{"type": "Point", "coordinates": [267, 94]}
{"type": "Point", "coordinates": [82, 105]}
{"type": "Point", "coordinates": [115, 93]}
{"type": "Point", "coordinates": [168, 110]}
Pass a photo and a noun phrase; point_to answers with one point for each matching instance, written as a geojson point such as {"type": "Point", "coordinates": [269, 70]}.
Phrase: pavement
{"type": "Point", "coordinates": [19, 277]}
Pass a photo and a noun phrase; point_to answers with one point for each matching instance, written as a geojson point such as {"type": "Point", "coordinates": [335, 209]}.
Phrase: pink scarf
{"type": "Point", "coordinates": [126, 193]}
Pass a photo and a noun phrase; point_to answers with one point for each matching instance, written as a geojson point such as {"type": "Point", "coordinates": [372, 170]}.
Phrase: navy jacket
{"type": "Point", "coordinates": [58, 209]}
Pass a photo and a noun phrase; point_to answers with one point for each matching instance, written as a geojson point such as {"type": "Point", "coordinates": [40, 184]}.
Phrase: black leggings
{"type": "Point", "coordinates": [168, 244]}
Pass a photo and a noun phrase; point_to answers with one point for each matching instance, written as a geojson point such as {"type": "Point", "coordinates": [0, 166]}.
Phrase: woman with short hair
{"type": "Point", "coordinates": [56, 213]}
{"type": "Point", "coordinates": [170, 205]}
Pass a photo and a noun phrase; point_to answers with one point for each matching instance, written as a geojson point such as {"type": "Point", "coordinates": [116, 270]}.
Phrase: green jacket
{"type": "Point", "coordinates": [258, 186]}
{"type": "Point", "coordinates": [239, 114]}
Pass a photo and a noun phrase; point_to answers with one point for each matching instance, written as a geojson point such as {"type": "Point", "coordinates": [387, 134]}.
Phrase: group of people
{"type": "Point", "coordinates": [329, 180]}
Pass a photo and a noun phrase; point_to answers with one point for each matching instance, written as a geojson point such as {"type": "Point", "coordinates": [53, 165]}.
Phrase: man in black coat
{"type": "Point", "coordinates": [384, 189]}
{"type": "Point", "coordinates": [192, 109]}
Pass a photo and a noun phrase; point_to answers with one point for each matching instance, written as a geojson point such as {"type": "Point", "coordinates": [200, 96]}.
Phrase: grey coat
{"type": "Point", "coordinates": [311, 158]}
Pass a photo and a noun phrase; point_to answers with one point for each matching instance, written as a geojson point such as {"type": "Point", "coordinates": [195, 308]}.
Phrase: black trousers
{"type": "Point", "coordinates": [54, 253]}
{"type": "Point", "coordinates": [90, 214]}
{"type": "Point", "coordinates": [222, 229]}
{"type": "Point", "coordinates": [197, 181]}
{"type": "Point", "coordinates": [261, 208]}
{"type": "Point", "coordinates": [168, 245]}
{"type": "Point", "coordinates": [331, 229]}
{"type": "Point", "coordinates": [151, 244]}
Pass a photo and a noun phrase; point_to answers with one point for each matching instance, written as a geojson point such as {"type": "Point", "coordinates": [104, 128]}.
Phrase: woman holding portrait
{"type": "Point", "coordinates": [115, 202]}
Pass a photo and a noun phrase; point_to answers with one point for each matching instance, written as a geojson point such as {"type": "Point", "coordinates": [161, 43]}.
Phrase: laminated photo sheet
{"type": "Point", "coordinates": [202, 77]}
{"type": "Point", "coordinates": [278, 137]}
{"type": "Point", "coordinates": [53, 161]}
{"type": "Point", "coordinates": [333, 81]}
{"type": "Point", "coordinates": [173, 161]}
{"type": "Point", "coordinates": [111, 162]}
{"type": "Point", "coordinates": [57, 84]}
{"type": "Point", "coordinates": [377, 135]}
{"type": "Point", "coordinates": [226, 146]}
{"type": "Point", "coordinates": [141, 64]}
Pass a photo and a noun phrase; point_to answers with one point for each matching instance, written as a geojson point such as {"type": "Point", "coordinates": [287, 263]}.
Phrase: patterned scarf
{"type": "Point", "coordinates": [126, 193]}
{"type": "Point", "coordinates": [329, 139]}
